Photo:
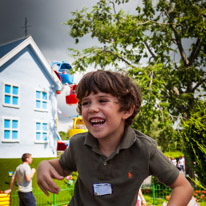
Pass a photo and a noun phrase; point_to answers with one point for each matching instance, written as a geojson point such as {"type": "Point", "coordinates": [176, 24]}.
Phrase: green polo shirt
{"type": "Point", "coordinates": [114, 180]}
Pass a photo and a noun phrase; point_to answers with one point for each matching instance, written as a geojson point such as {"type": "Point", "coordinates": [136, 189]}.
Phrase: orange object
{"type": "Point", "coordinates": [168, 197]}
{"type": "Point", "coordinates": [129, 175]}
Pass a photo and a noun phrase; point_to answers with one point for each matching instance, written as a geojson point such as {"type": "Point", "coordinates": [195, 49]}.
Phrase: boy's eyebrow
{"type": "Point", "coordinates": [98, 95]}
{"type": "Point", "coordinates": [103, 95]}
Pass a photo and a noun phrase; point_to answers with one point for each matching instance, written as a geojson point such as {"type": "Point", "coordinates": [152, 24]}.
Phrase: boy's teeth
{"type": "Point", "coordinates": [97, 121]}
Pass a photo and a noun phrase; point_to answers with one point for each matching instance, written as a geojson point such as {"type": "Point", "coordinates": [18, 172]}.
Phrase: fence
{"type": "Point", "coordinates": [154, 195]}
{"type": "Point", "coordinates": [63, 198]}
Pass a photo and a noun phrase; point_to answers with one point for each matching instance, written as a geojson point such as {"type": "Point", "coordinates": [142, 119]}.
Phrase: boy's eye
{"type": "Point", "coordinates": [103, 100]}
{"type": "Point", "coordinates": [85, 103]}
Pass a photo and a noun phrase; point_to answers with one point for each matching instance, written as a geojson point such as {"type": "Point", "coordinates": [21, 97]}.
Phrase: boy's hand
{"type": "Point", "coordinates": [45, 175]}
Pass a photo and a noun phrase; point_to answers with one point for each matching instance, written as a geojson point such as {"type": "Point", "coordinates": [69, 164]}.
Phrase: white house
{"type": "Point", "coordinates": [28, 103]}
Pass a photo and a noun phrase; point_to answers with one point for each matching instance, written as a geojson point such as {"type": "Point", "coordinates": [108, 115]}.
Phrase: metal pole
{"type": "Point", "coordinates": [153, 193]}
{"type": "Point", "coordinates": [54, 199]}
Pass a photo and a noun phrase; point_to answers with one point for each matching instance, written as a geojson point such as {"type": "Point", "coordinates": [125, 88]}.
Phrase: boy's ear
{"type": "Point", "coordinates": [129, 112]}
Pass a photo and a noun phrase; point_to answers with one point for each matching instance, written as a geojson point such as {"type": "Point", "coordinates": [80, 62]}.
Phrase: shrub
{"type": "Point", "coordinates": [194, 134]}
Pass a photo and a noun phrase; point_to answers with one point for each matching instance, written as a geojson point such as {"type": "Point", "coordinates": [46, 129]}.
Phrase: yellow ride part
{"type": "Point", "coordinates": [5, 199]}
{"type": "Point", "coordinates": [78, 127]}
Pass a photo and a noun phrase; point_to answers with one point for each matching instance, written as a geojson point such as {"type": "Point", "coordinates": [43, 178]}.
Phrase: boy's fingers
{"type": "Point", "coordinates": [45, 175]}
{"type": "Point", "coordinates": [49, 186]}
{"type": "Point", "coordinates": [55, 175]}
{"type": "Point", "coordinates": [52, 187]}
{"type": "Point", "coordinates": [45, 191]}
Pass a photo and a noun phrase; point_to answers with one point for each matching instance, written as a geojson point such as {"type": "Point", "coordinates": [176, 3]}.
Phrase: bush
{"type": "Point", "coordinates": [200, 195]}
{"type": "Point", "coordinates": [194, 134]}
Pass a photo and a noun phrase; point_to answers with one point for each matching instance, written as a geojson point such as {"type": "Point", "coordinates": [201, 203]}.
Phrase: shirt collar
{"type": "Point", "coordinates": [128, 139]}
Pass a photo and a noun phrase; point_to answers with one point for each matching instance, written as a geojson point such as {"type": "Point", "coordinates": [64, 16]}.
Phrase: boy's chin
{"type": "Point", "coordinates": [96, 135]}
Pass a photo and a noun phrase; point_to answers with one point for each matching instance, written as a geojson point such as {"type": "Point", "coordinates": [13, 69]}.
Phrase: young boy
{"type": "Point", "coordinates": [111, 159]}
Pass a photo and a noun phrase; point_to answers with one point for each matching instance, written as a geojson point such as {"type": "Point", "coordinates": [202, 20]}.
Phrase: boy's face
{"type": "Point", "coordinates": [102, 117]}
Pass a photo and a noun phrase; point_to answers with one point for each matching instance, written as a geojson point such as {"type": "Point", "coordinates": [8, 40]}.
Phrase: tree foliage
{"type": "Point", "coordinates": [168, 36]}
{"type": "Point", "coordinates": [154, 118]}
{"type": "Point", "coordinates": [64, 135]}
{"type": "Point", "coordinates": [194, 134]}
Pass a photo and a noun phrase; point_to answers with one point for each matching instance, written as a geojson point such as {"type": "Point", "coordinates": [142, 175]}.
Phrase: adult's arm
{"type": "Point", "coordinates": [30, 176]}
{"type": "Point", "coordinates": [12, 185]}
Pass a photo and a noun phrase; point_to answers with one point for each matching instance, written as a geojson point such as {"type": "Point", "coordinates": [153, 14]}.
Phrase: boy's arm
{"type": "Point", "coordinates": [182, 192]}
{"type": "Point", "coordinates": [46, 172]}
{"type": "Point", "coordinates": [12, 185]}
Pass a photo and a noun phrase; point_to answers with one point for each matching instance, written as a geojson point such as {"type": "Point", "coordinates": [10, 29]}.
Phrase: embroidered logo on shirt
{"type": "Point", "coordinates": [129, 175]}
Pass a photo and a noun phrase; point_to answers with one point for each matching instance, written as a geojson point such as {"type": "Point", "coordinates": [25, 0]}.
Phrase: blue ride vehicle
{"type": "Point", "coordinates": [62, 70]}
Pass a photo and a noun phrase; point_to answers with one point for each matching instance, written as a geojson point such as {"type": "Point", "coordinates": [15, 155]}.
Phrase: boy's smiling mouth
{"type": "Point", "coordinates": [97, 121]}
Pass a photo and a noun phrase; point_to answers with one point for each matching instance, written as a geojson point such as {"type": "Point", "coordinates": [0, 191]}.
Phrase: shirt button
{"type": "Point", "coordinates": [105, 163]}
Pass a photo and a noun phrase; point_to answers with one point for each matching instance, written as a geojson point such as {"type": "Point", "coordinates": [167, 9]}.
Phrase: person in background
{"type": "Point", "coordinates": [112, 159]}
{"type": "Point", "coordinates": [24, 175]}
{"type": "Point", "coordinates": [181, 164]}
{"type": "Point", "coordinates": [174, 161]}
{"type": "Point", "coordinates": [140, 199]}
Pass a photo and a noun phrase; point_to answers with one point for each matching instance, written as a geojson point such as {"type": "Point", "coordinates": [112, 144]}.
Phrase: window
{"type": "Point", "coordinates": [41, 100]}
{"type": "Point", "coordinates": [11, 95]}
{"type": "Point", "coordinates": [10, 129]}
{"type": "Point", "coordinates": [41, 132]}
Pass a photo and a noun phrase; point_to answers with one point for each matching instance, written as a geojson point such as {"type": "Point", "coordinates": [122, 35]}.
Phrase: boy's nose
{"type": "Point", "coordinates": [93, 107]}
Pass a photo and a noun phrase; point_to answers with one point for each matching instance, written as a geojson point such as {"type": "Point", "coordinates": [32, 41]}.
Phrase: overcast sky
{"type": "Point", "coordinates": [45, 24]}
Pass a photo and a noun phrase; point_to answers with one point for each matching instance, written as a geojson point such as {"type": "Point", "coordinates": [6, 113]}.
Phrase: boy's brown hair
{"type": "Point", "coordinates": [114, 83]}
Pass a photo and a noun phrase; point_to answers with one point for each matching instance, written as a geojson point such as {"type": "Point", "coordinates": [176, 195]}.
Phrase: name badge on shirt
{"type": "Point", "coordinates": [102, 189]}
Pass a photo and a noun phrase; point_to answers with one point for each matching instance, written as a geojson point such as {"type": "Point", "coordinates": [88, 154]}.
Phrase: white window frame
{"type": "Point", "coordinates": [11, 129]}
{"type": "Point", "coordinates": [41, 131]}
{"type": "Point", "coordinates": [11, 95]}
{"type": "Point", "coordinates": [41, 100]}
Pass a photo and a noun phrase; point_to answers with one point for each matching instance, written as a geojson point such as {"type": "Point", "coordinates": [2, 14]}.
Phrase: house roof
{"type": "Point", "coordinates": [4, 49]}
{"type": "Point", "coordinates": [9, 50]}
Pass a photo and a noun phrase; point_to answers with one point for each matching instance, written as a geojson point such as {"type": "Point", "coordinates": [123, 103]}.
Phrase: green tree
{"type": "Point", "coordinates": [64, 135]}
{"type": "Point", "coordinates": [194, 134]}
{"type": "Point", "coordinates": [168, 36]}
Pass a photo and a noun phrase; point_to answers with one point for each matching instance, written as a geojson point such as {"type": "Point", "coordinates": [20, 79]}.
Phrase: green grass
{"type": "Point", "coordinates": [175, 154]}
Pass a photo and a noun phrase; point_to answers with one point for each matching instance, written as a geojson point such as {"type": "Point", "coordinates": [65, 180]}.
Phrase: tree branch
{"type": "Point", "coordinates": [195, 51]}
{"type": "Point", "coordinates": [123, 59]}
{"type": "Point", "coordinates": [150, 51]}
{"type": "Point", "coordinates": [180, 47]}
{"type": "Point", "coordinates": [113, 4]}
{"type": "Point", "coordinates": [198, 84]}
